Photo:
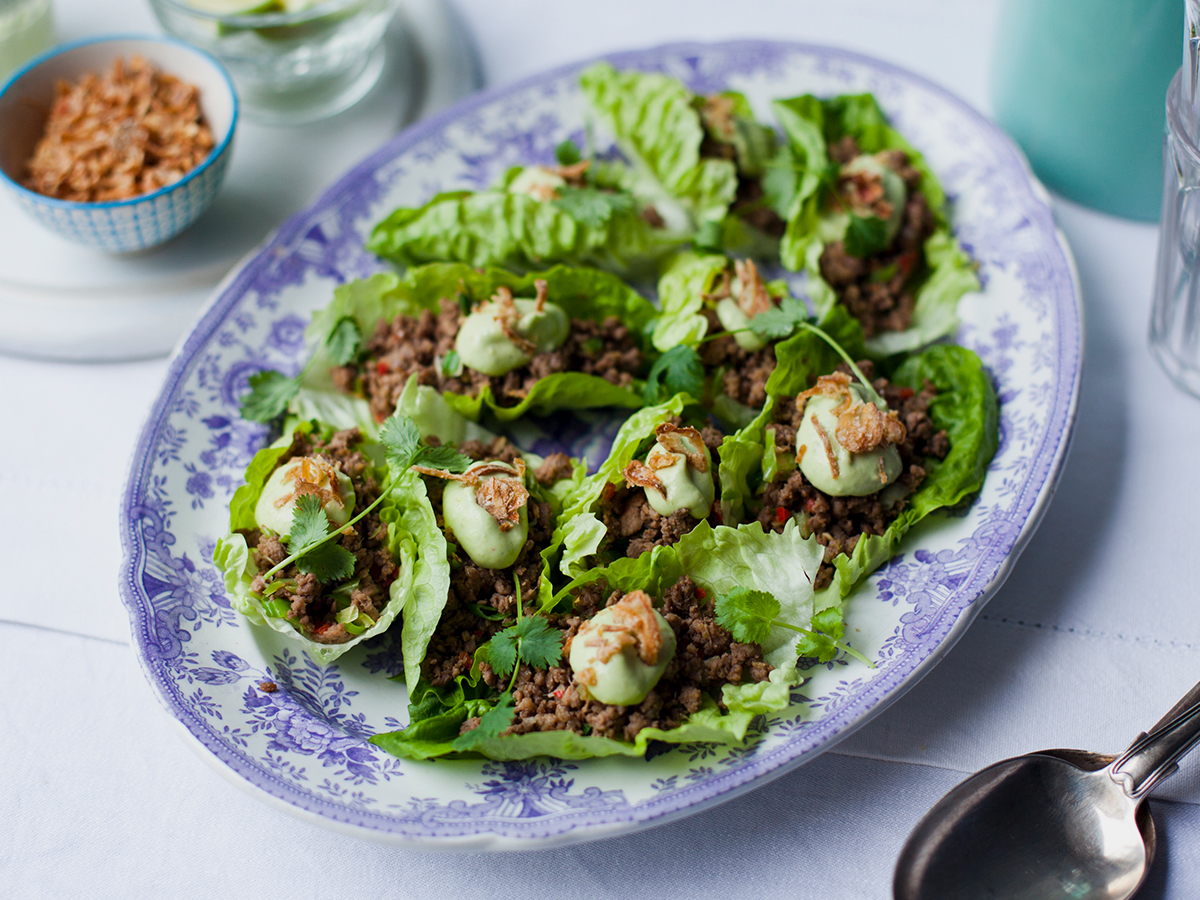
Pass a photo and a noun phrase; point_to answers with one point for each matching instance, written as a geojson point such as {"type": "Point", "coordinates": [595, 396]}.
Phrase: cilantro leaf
{"type": "Point", "coordinates": [329, 562]}
{"type": "Point", "coordinates": [531, 641]}
{"type": "Point", "coordinates": [491, 725]}
{"type": "Point", "coordinates": [446, 458]}
{"type": "Point", "coordinates": [539, 645]}
{"type": "Point", "coordinates": [822, 642]}
{"type": "Point", "coordinates": [779, 321]}
{"type": "Point", "coordinates": [270, 393]}
{"type": "Point", "coordinates": [343, 342]}
{"type": "Point", "coordinates": [746, 614]}
{"type": "Point", "coordinates": [502, 651]}
{"type": "Point", "coordinates": [309, 523]}
{"type": "Point", "coordinates": [567, 153]}
{"type": "Point", "coordinates": [401, 440]}
{"type": "Point", "coordinates": [679, 370]}
{"type": "Point", "coordinates": [865, 236]}
{"type": "Point", "coordinates": [592, 207]}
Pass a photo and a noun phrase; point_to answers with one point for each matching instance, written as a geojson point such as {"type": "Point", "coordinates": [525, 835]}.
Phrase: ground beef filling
{"type": "Point", "coordinates": [313, 606]}
{"type": "Point", "coordinates": [706, 657]}
{"type": "Point", "coordinates": [878, 290]}
{"type": "Point", "coordinates": [417, 345]}
{"type": "Point", "coordinates": [477, 594]}
{"type": "Point", "coordinates": [634, 527]}
{"type": "Point", "coordinates": [744, 373]}
{"type": "Point", "coordinates": [838, 522]}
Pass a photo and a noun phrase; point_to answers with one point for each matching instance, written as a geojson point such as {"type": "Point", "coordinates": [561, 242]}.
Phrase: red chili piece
{"type": "Point", "coordinates": [382, 368]}
{"type": "Point", "coordinates": [781, 514]}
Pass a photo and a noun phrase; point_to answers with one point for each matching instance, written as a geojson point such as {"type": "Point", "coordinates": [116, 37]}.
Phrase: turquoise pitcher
{"type": "Point", "coordinates": [1080, 85]}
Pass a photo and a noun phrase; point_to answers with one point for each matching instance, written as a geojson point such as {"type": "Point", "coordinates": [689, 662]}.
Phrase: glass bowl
{"type": "Point", "coordinates": [289, 67]}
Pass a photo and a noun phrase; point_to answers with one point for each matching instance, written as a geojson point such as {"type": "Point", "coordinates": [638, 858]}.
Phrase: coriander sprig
{"type": "Point", "coordinates": [680, 369]}
{"type": "Point", "coordinates": [309, 540]}
{"type": "Point", "coordinates": [531, 641]}
{"type": "Point", "coordinates": [749, 616]}
{"type": "Point", "coordinates": [271, 391]}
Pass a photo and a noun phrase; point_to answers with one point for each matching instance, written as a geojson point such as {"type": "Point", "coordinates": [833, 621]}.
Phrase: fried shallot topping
{"type": "Point", "coordinates": [307, 478]}
{"type": "Point", "coordinates": [717, 115]}
{"type": "Point", "coordinates": [507, 315]}
{"type": "Point", "coordinates": [638, 474]}
{"type": "Point", "coordinates": [686, 441]}
{"type": "Point", "coordinates": [572, 174]}
{"type": "Point", "coordinates": [754, 298]}
{"type": "Point", "coordinates": [634, 624]}
{"type": "Point", "coordinates": [865, 194]}
{"type": "Point", "coordinates": [864, 426]}
{"type": "Point", "coordinates": [501, 495]}
{"type": "Point", "coordinates": [861, 426]}
{"type": "Point", "coordinates": [834, 469]}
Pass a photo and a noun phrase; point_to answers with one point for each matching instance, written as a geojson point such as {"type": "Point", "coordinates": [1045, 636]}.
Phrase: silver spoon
{"type": "Point", "coordinates": [1054, 824]}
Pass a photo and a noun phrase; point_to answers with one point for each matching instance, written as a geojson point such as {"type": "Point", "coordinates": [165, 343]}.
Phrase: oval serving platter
{"type": "Point", "coordinates": [303, 746]}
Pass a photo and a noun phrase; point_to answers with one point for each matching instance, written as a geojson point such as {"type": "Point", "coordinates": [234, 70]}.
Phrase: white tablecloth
{"type": "Point", "coordinates": [1093, 637]}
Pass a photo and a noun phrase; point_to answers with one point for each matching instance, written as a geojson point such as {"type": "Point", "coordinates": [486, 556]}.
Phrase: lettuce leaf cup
{"type": "Point", "coordinates": [283, 567]}
{"type": "Point", "coordinates": [867, 222]}
{"type": "Point", "coordinates": [689, 647]}
{"type": "Point", "coordinates": [489, 342]}
{"type": "Point", "coordinates": [661, 480]}
{"type": "Point", "coordinates": [705, 155]}
{"type": "Point", "coordinates": [857, 462]}
{"type": "Point", "coordinates": [580, 212]}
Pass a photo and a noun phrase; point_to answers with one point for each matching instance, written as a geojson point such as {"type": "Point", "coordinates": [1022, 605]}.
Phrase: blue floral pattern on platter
{"type": "Point", "coordinates": [296, 733]}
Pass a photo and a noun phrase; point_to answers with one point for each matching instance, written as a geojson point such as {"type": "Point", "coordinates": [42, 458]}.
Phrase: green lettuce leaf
{"type": "Point", "coordinates": [685, 279]}
{"type": "Point", "coordinates": [810, 123]}
{"type": "Point", "coordinates": [658, 127]}
{"type": "Point", "coordinates": [233, 557]}
{"type": "Point", "coordinates": [716, 559]}
{"type": "Point", "coordinates": [517, 231]}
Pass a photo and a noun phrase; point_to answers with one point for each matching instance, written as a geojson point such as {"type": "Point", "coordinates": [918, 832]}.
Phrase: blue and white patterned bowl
{"type": "Point", "coordinates": [118, 226]}
{"type": "Point", "coordinates": [302, 745]}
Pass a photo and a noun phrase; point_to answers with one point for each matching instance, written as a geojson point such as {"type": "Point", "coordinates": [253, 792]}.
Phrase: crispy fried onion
{"type": "Point", "coordinates": [686, 441]}
{"type": "Point", "coordinates": [861, 426]}
{"type": "Point", "coordinates": [634, 624]}
{"type": "Point", "coordinates": [307, 478]}
{"type": "Point", "coordinates": [501, 495]}
{"type": "Point", "coordinates": [572, 174]}
{"type": "Point", "coordinates": [507, 315]}
{"type": "Point", "coordinates": [865, 194]}
{"type": "Point", "coordinates": [834, 469]}
{"type": "Point", "coordinates": [754, 298]}
{"type": "Point", "coordinates": [638, 474]}
{"type": "Point", "coordinates": [717, 114]}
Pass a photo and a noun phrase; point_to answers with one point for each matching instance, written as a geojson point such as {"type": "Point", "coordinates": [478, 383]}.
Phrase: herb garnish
{"type": "Point", "coordinates": [309, 541]}
{"type": "Point", "coordinates": [679, 370]}
{"type": "Point", "coordinates": [271, 391]}
{"type": "Point", "coordinates": [531, 641]}
{"type": "Point", "coordinates": [749, 616]}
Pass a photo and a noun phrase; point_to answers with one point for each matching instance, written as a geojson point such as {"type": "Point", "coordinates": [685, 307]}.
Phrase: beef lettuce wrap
{"type": "Point", "coordinates": [579, 212]}
{"type": "Point", "coordinates": [867, 221]}
{"type": "Point", "coordinates": [689, 646]}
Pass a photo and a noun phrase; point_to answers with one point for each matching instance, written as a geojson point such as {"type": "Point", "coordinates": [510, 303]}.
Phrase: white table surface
{"type": "Point", "coordinates": [1092, 638]}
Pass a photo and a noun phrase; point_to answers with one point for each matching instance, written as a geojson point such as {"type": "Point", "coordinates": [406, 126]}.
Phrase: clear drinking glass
{"type": "Point", "coordinates": [1175, 317]}
{"type": "Point", "coordinates": [26, 29]}
{"type": "Point", "coordinates": [288, 67]}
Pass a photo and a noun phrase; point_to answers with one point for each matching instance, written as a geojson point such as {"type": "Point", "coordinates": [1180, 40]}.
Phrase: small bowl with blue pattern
{"type": "Point", "coordinates": [116, 226]}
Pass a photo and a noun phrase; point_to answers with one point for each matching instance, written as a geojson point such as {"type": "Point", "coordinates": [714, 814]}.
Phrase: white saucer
{"type": "Point", "coordinates": [67, 302]}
